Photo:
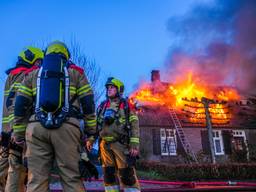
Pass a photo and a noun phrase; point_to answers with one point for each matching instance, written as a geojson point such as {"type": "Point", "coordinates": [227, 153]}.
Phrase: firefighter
{"type": "Point", "coordinates": [54, 136]}
{"type": "Point", "coordinates": [27, 59]}
{"type": "Point", "coordinates": [118, 128]}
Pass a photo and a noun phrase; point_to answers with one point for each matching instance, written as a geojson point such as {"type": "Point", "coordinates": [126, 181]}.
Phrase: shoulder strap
{"type": "Point", "coordinates": [127, 126]}
{"type": "Point", "coordinates": [102, 107]}
{"type": "Point", "coordinates": [125, 103]}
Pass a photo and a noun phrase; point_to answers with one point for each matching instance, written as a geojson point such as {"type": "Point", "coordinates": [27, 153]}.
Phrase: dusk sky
{"type": "Point", "coordinates": [126, 38]}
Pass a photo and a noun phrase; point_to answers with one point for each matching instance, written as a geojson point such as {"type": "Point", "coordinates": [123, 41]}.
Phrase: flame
{"type": "Point", "coordinates": [186, 94]}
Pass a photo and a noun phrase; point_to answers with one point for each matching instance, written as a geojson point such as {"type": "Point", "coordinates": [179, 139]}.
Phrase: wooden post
{"type": "Point", "coordinates": [206, 103]}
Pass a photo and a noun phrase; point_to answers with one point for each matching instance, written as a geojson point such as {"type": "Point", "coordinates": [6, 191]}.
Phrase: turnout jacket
{"type": "Point", "coordinates": [80, 92]}
{"type": "Point", "coordinates": [116, 131]}
{"type": "Point", "coordinates": [15, 77]}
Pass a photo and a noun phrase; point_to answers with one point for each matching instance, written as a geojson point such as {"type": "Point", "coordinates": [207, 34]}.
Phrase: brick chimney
{"type": "Point", "coordinates": [155, 75]}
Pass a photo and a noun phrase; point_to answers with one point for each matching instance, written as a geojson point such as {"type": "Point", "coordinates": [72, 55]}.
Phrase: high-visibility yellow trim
{"type": "Point", "coordinates": [91, 120]}
{"type": "Point", "coordinates": [72, 90]}
{"type": "Point", "coordinates": [5, 120]}
{"type": "Point", "coordinates": [19, 128]}
{"type": "Point", "coordinates": [60, 90]}
{"type": "Point", "coordinates": [122, 120]}
{"type": "Point", "coordinates": [134, 140]}
{"type": "Point", "coordinates": [11, 117]}
{"type": "Point", "coordinates": [6, 93]}
{"type": "Point", "coordinates": [60, 100]}
{"type": "Point", "coordinates": [34, 91]}
{"type": "Point", "coordinates": [25, 92]}
{"type": "Point", "coordinates": [133, 118]}
{"type": "Point", "coordinates": [91, 123]}
{"type": "Point", "coordinates": [108, 138]}
{"type": "Point", "coordinates": [8, 119]}
{"type": "Point", "coordinates": [15, 86]}
{"type": "Point", "coordinates": [26, 88]}
{"type": "Point", "coordinates": [113, 188]}
{"type": "Point", "coordinates": [84, 89]}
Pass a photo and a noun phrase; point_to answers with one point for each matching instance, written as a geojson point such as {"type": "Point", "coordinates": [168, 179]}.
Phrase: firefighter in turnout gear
{"type": "Point", "coordinates": [50, 102]}
{"type": "Point", "coordinates": [27, 59]}
{"type": "Point", "coordinates": [118, 127]}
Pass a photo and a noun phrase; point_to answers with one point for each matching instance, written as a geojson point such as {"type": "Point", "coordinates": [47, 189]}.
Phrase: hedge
{"type": "Point", "coordinates": [191, 172]}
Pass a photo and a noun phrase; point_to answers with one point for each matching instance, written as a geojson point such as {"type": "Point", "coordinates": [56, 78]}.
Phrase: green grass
{"type": "Point", "coordinates": [150, 175]}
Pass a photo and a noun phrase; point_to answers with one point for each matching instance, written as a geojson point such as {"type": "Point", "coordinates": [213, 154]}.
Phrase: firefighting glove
{"type": "Point", "coordinates": [87, 169]}
{"type": "Point", "coordinates": [5, 139]}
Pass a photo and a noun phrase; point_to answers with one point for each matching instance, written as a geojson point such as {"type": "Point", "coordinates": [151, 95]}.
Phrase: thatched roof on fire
{"type": "Point", "coordinates": [243, 115]}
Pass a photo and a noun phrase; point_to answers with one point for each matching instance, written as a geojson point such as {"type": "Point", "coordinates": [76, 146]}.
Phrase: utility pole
{"type": "Point", "coordinates": [206, 103]}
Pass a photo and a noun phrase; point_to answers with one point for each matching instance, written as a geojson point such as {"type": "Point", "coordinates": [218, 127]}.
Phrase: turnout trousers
{"type": "Point", "coordinates": [17, 173]}
{"type": "Point", "coordinates": [44, 146]}
{"type": "Point", "coordinates": [3, 168]}
{"type": "Point", "coordinates": [115, 168]}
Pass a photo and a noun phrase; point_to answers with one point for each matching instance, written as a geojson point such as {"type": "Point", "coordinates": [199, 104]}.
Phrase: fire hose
{"type": "Point", "coordinates": [188, 184]}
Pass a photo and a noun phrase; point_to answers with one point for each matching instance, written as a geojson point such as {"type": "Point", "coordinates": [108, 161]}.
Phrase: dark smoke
{"type": "Point", "coordinates": [217, 42]}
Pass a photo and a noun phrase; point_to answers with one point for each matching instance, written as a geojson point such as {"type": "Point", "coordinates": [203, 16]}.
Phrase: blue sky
{"type": "Point", "coordinates": [126, 38]}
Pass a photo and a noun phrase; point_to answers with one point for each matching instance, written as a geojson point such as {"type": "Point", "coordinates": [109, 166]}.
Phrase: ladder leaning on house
{"type": "Point", "coordinates": [184, 141]}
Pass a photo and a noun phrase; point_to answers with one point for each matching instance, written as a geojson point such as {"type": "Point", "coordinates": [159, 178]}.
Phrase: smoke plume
{"type": "Point", "coordinates": [217, 43]}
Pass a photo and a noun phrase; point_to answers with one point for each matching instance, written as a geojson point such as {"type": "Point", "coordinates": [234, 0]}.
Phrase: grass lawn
{"type": "Point", "coordinates": [150, 175]}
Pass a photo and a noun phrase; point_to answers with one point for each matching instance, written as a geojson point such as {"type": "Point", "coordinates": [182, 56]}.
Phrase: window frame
{"type": "Point", "coordinates": [220, 139]}
{"type": "Point", "coordinates": [172, 136]}
{"type": "Point", "coordinates": [240, 133]}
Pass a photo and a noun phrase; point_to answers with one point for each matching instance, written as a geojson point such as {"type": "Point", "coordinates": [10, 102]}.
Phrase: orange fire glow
{"type": "Point", "coordinates": [181, 94]}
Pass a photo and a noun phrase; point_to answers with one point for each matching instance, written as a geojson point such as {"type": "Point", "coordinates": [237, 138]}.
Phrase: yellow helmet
{"type": "Point", "coordinates": [58, 47]}
{"type": "Point", "coordinates": [117, 83]}
{"type": "Point", "coordinates": [31, 54]}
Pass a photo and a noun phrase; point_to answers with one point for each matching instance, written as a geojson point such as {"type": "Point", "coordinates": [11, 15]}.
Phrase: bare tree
{"type": "Point", "coordinates": [92, 69]}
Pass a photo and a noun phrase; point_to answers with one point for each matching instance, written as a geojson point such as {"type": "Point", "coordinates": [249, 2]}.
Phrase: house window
{"type": "Point", "coordinates": [218, 142]}
{"type": "Point", "coordinates": [239, 140]}
{"type": "Point", "coordinates": [168, 142]}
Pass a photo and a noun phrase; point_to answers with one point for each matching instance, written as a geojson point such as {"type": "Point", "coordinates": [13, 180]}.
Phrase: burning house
{"type": "Point", "coordinates": [206, 109]}
{"type": "Point", "coordinates": [190, 122]}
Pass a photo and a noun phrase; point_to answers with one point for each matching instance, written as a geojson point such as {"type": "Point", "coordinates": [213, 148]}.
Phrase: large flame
{"type": "Point", "coordinates": [186, 94]}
